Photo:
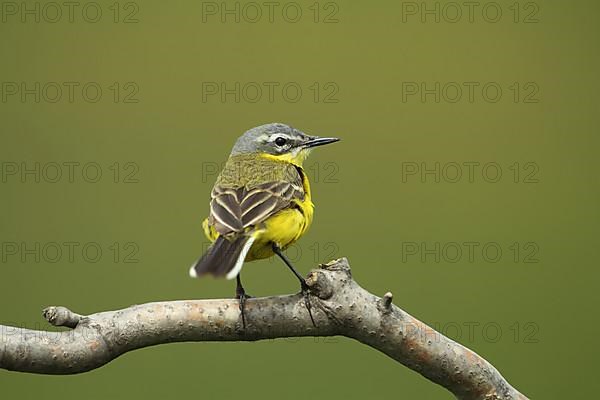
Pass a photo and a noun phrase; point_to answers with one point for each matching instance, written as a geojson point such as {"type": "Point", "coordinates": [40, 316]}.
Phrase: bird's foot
{"type": "Point", "coordinates": [306, 294]}
{"type": "Point", "coordinates": [242, 296]}
{"type": "Point", "coordinates": [303, 285]}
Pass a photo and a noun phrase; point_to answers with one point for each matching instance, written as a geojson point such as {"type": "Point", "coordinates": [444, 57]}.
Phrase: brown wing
{"type": "Point", "coordinates": [234, 210]}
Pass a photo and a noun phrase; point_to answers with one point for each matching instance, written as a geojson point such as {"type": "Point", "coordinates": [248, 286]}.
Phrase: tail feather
{"type": "Point", "coordinates": [223, 258]}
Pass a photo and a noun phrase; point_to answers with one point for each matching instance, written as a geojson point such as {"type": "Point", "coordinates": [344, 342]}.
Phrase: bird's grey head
{"type": "Point", "coordinates": [276, 139]}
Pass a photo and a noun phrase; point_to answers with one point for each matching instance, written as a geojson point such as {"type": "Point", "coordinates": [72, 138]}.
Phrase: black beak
{"type": "Point", "coordinates": [315, 141]}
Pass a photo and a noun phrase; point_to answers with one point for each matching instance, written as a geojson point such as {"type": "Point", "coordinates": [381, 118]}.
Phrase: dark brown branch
{"type": "Point", "coordinates": [340, 307]}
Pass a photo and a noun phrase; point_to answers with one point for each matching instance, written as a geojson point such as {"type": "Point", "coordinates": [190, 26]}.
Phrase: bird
{"type": "Point", "coordinates": [261, 203]}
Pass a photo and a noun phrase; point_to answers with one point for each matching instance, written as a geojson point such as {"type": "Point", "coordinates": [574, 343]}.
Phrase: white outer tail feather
{"type": "Point", "coordinates": [240, 261]}
{"type": "Point", "coordinates": [193, 273]}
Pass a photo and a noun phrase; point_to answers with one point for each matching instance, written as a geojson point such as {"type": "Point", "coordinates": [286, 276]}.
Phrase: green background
{"type": "Point", "coordinates": [534, 321]}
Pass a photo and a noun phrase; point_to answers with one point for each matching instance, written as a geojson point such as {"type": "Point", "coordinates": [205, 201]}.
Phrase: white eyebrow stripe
{"type": "Point", "coordinates": [277, 135]}
{"type": "Point", "coordinates": [264, 138]}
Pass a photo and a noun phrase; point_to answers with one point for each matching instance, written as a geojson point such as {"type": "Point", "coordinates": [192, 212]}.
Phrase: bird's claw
{"type": "Point", "coordinates": [306, 294]}
{"type": "Point", "coordinates": [242, 296]}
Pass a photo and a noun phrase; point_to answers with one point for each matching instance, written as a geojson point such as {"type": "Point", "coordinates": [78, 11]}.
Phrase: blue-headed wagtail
{"type": "Point", "coordinates": [260, 204]}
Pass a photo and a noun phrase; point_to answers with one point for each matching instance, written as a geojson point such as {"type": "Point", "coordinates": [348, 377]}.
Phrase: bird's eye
{"type": "Point", "coordinates": [280, 141]}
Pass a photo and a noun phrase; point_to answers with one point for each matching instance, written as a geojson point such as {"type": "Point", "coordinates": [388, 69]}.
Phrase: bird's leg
{"type": "Point", "coordinates": [303, 285]}
{"type": "Point", "coordinates": [241, 295]}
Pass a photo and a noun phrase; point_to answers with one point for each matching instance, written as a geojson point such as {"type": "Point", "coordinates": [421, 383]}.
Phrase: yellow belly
{"type": "Point", "coordinates": [283, 228]}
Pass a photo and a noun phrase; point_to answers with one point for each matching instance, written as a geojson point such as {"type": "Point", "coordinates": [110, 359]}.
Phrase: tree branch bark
{"type": "Point", "coordinates": [340, 307]}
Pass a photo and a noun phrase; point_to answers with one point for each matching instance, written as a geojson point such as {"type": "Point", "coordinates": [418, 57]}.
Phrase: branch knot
{"type": "Point", "coordinates": [61, 316]}
{"type": "Point", "coordinates": [384, 304]}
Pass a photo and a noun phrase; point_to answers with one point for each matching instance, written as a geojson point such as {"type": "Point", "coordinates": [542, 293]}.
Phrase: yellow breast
{"type": "Point", "coordinates": [284, 227]}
